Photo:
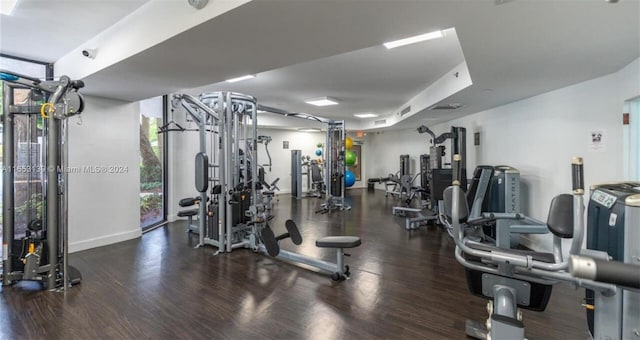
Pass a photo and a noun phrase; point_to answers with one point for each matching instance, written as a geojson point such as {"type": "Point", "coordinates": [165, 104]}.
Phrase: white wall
{"type": "Point", "coordinates": [385, 147]}
{"type": "Point", "coordinates": [104, 207]}
{"type": "Point", "coordinates": [538, 135]}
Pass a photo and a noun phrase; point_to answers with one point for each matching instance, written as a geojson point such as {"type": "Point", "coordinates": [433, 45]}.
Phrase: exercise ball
{"type": "Point", "coordinates": [348, 143]}
{"type": "Point", "coordinates": [349, 178]}
{"type": "Point", "coordinates": [349, 158]}
{"type": "Point", "coordinates": [318, 152]}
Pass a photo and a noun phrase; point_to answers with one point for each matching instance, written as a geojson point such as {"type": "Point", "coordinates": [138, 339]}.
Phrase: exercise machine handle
{"type": "Point", "coordinates": [577, 175]}
{"type": "Point", "coordinates": [77, 84]}
{"type": "Point", "coordinates": [456, 169]}
{"type": "Point", "coordinates": [619, 273]}
{"type": "Point", "coordinates": [15, 77]}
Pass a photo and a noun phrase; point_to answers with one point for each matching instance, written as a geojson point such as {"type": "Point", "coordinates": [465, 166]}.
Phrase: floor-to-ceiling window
{"type": "Point", "coordinates": [27, 132]}
{"type": "Point", "coordinates": [152, 162]}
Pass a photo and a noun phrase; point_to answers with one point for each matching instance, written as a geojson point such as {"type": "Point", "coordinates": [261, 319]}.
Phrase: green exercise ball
{"type": "Point", "coordinates": [349, 158]}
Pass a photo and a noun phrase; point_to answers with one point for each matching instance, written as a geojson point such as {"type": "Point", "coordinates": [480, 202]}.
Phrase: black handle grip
{"type": "Point", "coordinates": [456, 169]}
{"type": "Point", "coordinates": [77, 84]}
{"type": "Point", "coordinates": [577, 175]}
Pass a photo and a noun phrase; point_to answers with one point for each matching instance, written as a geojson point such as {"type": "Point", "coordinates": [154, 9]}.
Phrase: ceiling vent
{"type": "Point", "coordinates": [380, 122]}
{"type": "Point", "coordinates": [405, 111]}
{"type": "Point", "coordinates": [450, 106]}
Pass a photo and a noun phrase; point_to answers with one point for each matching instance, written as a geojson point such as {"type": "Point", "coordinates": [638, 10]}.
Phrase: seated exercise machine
{"type": "Point", "coordinates": [495, 192]}
{"type": "Point", "coordinates": [401, 184]}
{"type": "Point", "coordinates": [613, 217]}
{"type": "Point", "coordinates": [35, 192]}
{"type": "Point", "coordinates": [421, 214]}
{"type": "Point", "coordinates": [513, 279]}
{"type": "Point", "coordinates": [434, 177]}
{"type": "Point", "coordinates": [312, 169]}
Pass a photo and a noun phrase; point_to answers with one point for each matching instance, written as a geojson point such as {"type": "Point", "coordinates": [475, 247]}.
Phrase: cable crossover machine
{"type": "Point", "coordinates": [233, 211]}
{"type": "Point", "coordinates": [35, 192]}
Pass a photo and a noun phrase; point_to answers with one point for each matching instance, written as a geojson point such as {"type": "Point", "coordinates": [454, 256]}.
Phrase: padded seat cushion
{"type": "Point", "coordinates": [542, 257]}
{"type": "Point", "coordinates": [338, 242]}
{"type": "Point", "coordinates": [187, 202]}
{"type": "Point", "coordinates": [187, 213]}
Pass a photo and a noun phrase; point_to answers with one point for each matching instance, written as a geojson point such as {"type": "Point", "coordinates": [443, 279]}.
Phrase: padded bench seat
{"type": "Point", "coordinates": [188, 213]}
{"type": "Point", "coordinates": [338, 242]}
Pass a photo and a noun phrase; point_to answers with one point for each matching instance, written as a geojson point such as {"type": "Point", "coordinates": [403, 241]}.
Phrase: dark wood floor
{"type": "Point", "coordinates": [403, 285]}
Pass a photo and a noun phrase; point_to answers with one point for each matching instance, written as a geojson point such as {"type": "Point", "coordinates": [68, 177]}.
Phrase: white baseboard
{"type": "Point", "coordinates": [104, 240]}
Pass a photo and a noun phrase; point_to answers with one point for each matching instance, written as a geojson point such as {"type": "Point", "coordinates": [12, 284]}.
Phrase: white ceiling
{"type": "Point", "coordinates": [45, 30]}
{"type": "Point", "coordinates": [372, 80]}
{"type": "Point", "coordinates": [309, 48]}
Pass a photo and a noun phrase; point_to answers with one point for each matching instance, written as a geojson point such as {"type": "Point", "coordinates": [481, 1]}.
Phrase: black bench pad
{"type": "Point", "coordinates": [338, 242]}
{"type": "Point", "coordinates": [187, 213]}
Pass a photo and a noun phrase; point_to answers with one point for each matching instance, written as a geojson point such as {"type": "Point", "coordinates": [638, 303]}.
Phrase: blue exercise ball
{"type": "Point", "coordinates": [349, 178]}
{"type": "Point", "coordinates": [319, 152]}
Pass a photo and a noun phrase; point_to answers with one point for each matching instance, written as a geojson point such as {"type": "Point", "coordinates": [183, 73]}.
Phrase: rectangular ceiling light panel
{"type": "Point", "coordinates": [323, 101]}
{"type": "Point", "coordinates": [366, 115]}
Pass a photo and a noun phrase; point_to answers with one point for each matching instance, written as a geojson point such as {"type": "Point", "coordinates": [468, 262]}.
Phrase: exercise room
{"type": "Point", "coordinates": [286, 169]}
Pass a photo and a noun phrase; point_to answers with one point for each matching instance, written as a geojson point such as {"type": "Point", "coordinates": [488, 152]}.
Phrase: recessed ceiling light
{"type": "Point", "coordinates": [309, 130]}
{"type": "Point", "coordinates": [233, 80]}
{"type": "Point", "coordinates": [366, 115]}
{"type": "Point", "coordinates": [413, 40]}
{"type": "Point", "coordinates": [322, 101]}
{"type": "Point", "coordinates": [7, 6]}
